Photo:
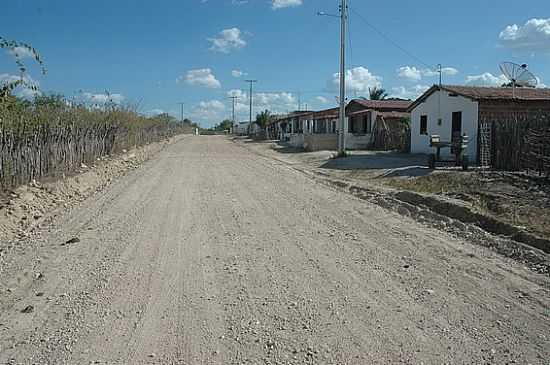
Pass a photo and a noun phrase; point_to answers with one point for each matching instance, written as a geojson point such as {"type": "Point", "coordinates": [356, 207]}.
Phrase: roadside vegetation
{"type": "Point", "coordinates": [50, 135]}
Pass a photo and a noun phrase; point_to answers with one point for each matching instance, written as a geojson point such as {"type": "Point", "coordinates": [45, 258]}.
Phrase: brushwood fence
{"type": "Point", "coordinates": [516, 142]}
{"type": "Point", "coordinates": [45, 142]}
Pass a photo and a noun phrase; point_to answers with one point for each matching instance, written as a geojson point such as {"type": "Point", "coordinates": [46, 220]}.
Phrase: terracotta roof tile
{"type": "Point", "coordinates": [396, 105]}
{"type": "Point", "coordinates": [499, 93]}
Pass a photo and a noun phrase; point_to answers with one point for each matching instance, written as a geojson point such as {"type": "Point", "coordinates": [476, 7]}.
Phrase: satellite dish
{"type": "Point", "coordinates": [518, 75]}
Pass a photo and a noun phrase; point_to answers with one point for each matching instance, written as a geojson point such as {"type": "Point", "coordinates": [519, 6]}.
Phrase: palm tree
{"type": "Point", "coordinates": [377, 93]}
{"type": "Point", "coordinates": [263, 119]}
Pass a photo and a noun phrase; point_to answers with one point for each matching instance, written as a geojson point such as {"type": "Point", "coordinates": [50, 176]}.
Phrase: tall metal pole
{"type": "Point", "coordinates": [182, 111]}
{"type": "Point", "coordinates": [234, 99]}
{"type": "Point", "coordinates": [251, 82]}
{"type": "Point", "coordinates": [342, 121]}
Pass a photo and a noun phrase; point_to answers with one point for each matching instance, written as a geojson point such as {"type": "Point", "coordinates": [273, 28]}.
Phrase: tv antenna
{"type": "Point", "coordinates": [518, 75]}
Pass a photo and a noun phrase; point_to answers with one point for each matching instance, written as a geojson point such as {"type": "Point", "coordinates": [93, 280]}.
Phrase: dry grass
{"type": "Point", "coordinates": [512, 198]}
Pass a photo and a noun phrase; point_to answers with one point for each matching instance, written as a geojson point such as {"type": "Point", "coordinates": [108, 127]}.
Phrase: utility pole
{"type": "Point", "coordinates": [182, 111]}
{"type": "Point", "coordinates": [440, 71]}
{"type": "Point", "coordinates": [342, 134]}
{"type": "Point", "coordinates": [233, 100]}
{"type": "Point", "coordinates": [251, 82]}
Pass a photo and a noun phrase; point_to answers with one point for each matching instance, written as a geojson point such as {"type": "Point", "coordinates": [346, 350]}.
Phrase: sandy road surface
{"type": "Point", "coordinates": [210, 254]}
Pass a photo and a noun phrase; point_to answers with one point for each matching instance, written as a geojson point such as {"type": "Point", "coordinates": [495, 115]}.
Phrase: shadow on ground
{"type": "Point", "coordinates": [395, 164]}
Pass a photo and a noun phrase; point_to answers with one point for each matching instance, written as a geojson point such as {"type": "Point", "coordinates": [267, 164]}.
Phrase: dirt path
{"type": "Point", "coordinates": [210, 254]}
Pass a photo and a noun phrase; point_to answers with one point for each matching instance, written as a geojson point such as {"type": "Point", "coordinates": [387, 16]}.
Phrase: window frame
{"type": "Point", "coordinates": [424, 125]}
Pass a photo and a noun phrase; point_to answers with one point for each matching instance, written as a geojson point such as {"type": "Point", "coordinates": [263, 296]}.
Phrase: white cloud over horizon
{"type": "Point", "coordinates": [486, 79]}
{"type": "Point", "coordinates": [534, 35]}
{"type": "Point", "coordinates": [414, 74]}
{"type": "Point", "coordinates": [227, 40]}
{"type": "Point", "coordinates": [358, 79]}
{"type": "Point", "coordinates": [200, 77]}
{"type": "Point", "coordinates": [411, 93]}
{"type": "Point", "coordinates": [100, 99]}
{"type": "Point", "coordinates": [26, 90]}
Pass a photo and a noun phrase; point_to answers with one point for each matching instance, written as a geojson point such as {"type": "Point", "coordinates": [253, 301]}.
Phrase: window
{"type": "Point", "coordinates": [424, 124]}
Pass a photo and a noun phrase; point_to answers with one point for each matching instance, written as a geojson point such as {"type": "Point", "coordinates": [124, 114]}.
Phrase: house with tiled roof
{"type": "Point", "coordinates": [366, 117]}
{"type": "Point", "coordinates": [453, 111]}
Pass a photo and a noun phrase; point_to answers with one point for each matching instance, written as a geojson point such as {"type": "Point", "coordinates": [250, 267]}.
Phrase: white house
{"type": "Point", "coordinates": [241, 129]}
{"type": "Point", "coordinates": [451, 111]}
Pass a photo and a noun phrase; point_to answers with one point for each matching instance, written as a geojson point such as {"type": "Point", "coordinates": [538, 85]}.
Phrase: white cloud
{"type": "Point", "coordinates": [201, 77]}
{"type": "Point", "coordinates": [21, 52]}
{"type": "Point", "coordinates": [358, 79]}
{"type": "Point", "coordinates": [155, 112]}
{"type": "Point", "coordinates": [411, 73]}
{"type": "Point", "coordinates": [27, 93]}
{"type": "Point", "coordinates": [238, 73]}
{"type": "Point", "coordinates": [486, 79]}
{"type": "Point", "coordinates": [280, 102]}
{"type": "Point", "coordinates": [533, 35]}
{"type": "Point", "coordinates": [214, 105]}
{"type": "Point", "coordinates": [237, 92]}
{"type": "Point", "coordinates": [101, 99]}
{"type": "Point", "coordinates": [227, 41]}
{"type": "Point", "coordinates": [7, 79]}
{"type": "Point", "coordinates": [321, 99]}
{"type": "Point", "coordinates": [412, 93]}
{"type": "Point", "coordinates": [279, 4]}
{"type": "Point", "coordinates": [208, 112]}
{"type": "Point", "coordinates": [446, 71]}
{"type": "Point", "coordinates": [26, 89]}
{"type": "Point", "coordinates": [274, 98]}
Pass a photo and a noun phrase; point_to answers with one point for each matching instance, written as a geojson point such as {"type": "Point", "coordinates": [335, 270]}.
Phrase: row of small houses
{"type": "Point", "coordinates": [496, 120]}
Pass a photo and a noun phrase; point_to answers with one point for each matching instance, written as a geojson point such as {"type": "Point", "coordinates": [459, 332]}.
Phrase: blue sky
{"type": "Point", "coordinates": [154, 54]}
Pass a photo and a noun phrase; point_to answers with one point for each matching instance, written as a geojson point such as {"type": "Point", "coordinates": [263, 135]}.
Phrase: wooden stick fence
{"type": "Point", "coordinates": [41, 141]}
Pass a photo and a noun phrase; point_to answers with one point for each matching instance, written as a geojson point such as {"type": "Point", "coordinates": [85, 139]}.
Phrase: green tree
{"type": "Point", "coordinates": [263, 118]}
{"type": "Point", "coordinates": [224, 125]}
{"type": "Point", "coordinates": [377, 93]}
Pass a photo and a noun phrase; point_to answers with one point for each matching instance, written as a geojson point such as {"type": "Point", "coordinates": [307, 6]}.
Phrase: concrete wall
{"type": "Point", "coordinates": [320, 142]}
{"type": "Point", "coordinates": [434, 108]}
{"type": "Point", "coordinates": [296, 140]}
{"type": "Point", "coordinates": [357, 141]}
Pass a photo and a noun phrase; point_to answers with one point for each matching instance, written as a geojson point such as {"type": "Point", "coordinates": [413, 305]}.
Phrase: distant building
{"type": "Point", "coordinates": [452, 111]}
{"type": "Point", "coordinates": [241, 129]}
{"type": "Point", "coordinates": [318, 130]}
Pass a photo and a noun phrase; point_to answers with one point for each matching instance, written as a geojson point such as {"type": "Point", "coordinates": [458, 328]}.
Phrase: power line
{"type": "Point", "coordinates": [390, 40]}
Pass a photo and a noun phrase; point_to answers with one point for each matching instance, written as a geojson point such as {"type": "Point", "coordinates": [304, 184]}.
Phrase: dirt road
{"type": "Point", "coordinates": [211, 254]}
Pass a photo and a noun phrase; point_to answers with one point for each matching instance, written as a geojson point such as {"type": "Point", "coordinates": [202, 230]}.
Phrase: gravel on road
{"type": "Point", "coordinates": [211, 254]}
